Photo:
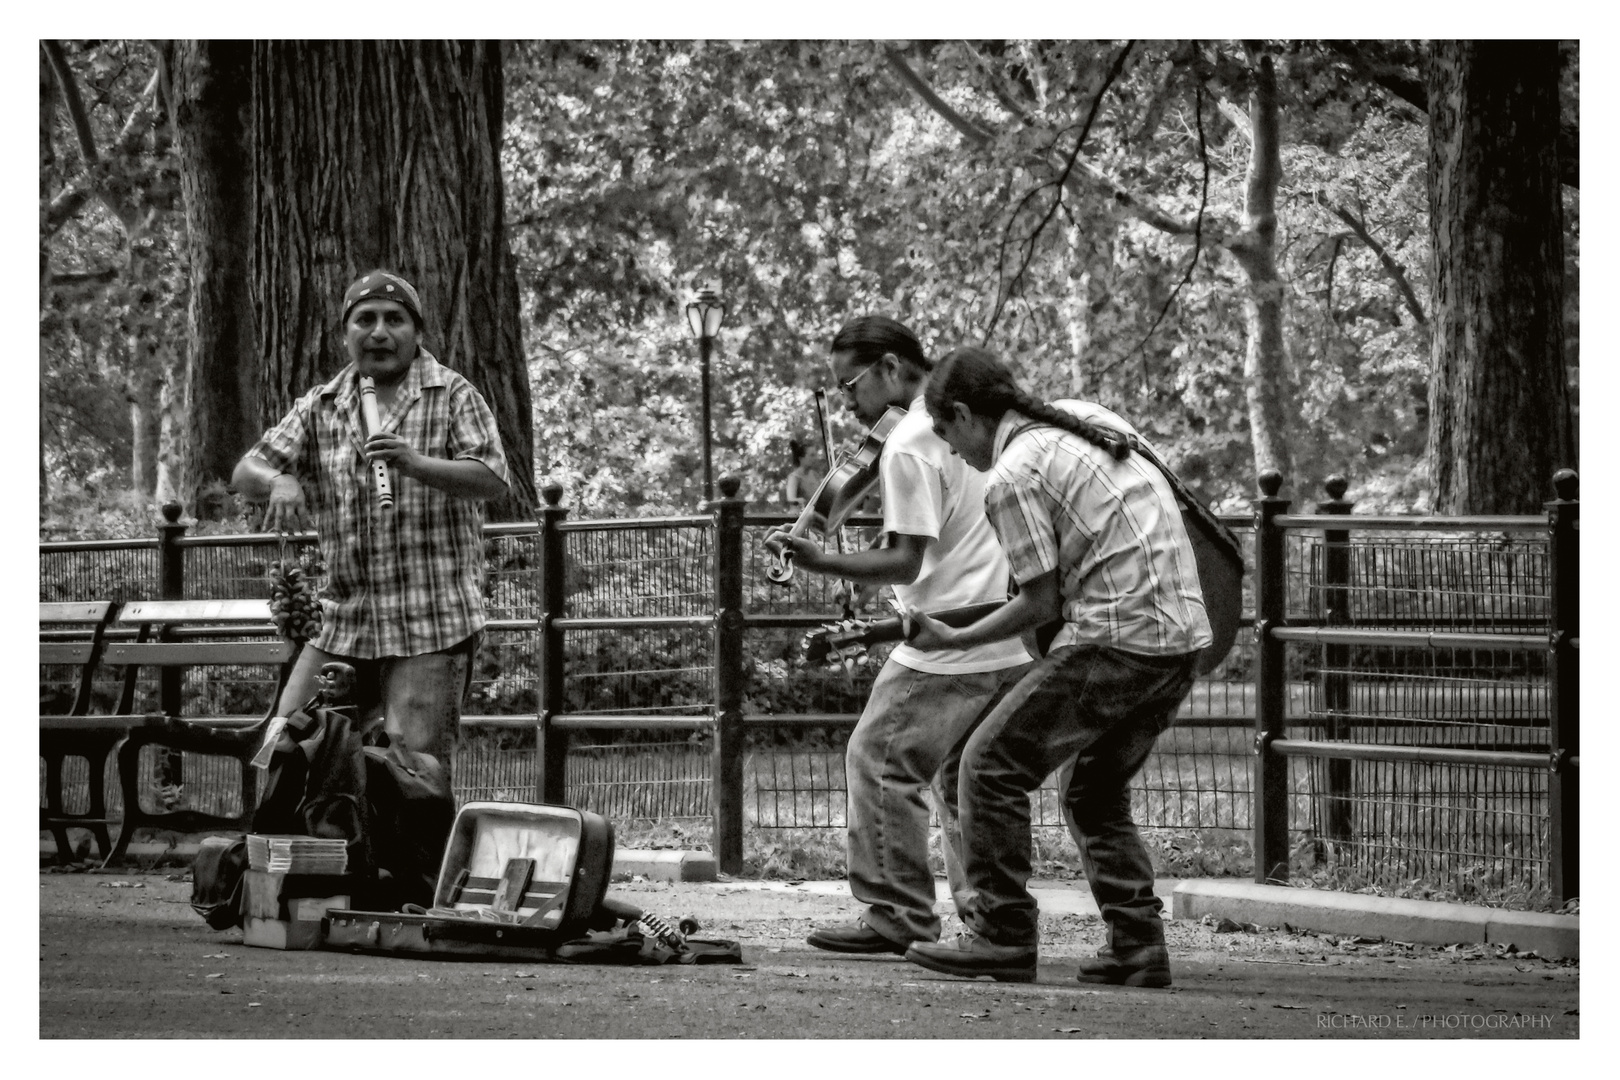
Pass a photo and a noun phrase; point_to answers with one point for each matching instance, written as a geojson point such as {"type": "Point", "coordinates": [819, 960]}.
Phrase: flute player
{"type": "Point", "coordinates": [403, 599]}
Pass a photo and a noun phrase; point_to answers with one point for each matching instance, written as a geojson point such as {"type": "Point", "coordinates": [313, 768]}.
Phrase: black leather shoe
{"type": "Point", "coordinates": [856, 937]}
{"type": "Point", "coordinates": [1144, 965]}
{"type": "Point", "coordinates": [970, 955]}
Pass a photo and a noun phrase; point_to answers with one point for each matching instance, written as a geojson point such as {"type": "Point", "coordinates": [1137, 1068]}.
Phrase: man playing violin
{"type": "Point", "coordinates": [403, 600]}
{"type": "Point", "coordinates": [941, 554]}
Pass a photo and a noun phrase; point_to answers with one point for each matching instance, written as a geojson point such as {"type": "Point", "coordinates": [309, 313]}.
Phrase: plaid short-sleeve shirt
{"type": "Point", "coordinates": [1111, 529]}
{"type": "Point", "coordinates": [405, 581]}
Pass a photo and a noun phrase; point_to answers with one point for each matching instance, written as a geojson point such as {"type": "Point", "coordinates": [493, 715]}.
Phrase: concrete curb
{"type": "Point", "coordinates": [1420, 921]}
{"type": "Point", "coordinates": [652, 865]}
{"type": "Point", "coordinates": [666, 865]}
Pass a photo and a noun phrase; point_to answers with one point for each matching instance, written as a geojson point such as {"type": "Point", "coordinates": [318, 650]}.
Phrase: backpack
{"type": "Point", "coordinates": [392, 806]}
{"type": "Point", "coordinates": [410, 812]}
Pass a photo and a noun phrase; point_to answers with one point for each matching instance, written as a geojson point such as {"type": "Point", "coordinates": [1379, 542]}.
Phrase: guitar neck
{"type": "Point", "coordinates": [896, 627]}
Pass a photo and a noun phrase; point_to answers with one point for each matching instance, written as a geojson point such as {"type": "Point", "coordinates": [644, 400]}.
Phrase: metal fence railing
{"type": "Point", "coordinates": [1409, 682]}
{"type": "Point", "coordinates": [1440, 729]}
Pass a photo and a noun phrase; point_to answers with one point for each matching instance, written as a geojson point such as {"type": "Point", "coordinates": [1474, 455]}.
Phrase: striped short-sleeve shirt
{"type": "Point", "coordinates": [1110, 528]}
{"type": "Point", "coordinates": [405, 581]}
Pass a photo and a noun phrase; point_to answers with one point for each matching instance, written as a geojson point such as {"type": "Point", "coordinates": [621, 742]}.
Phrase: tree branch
{"type": "Point", "coordinates": [1394, 269]}
{"type": "Point", "coordinates": [72, 100]}
{"type": "Point", "coordinates": [1068, 166]}
{"type": "Point", "coordinates": [1124, 199]}
{"type": "Point", "coordinates": [105, 276]}
{"type": "Point", "coordinates": [71, 199]}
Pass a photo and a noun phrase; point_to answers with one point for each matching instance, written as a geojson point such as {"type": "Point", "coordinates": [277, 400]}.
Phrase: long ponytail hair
{"type": "Point", "coordinates": [977, 379]}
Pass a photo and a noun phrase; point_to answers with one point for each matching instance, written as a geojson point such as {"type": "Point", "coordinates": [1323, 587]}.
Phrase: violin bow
{"type": "Point", "coordinates": [838, 533]}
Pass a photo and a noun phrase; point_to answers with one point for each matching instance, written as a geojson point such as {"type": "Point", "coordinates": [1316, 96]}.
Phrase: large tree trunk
{"type": "Point", "coordinates": [1499, 409]}
{"type": "Point", "coordinates": [387, 154]}
{"type": "Point", "coordinates": [212, 88]}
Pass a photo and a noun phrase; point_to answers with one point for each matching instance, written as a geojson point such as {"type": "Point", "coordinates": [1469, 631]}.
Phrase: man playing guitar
{"type": "Point", "coordinates": [1091, 526]}
{"type": "Point", "coordinates": [941, 554]}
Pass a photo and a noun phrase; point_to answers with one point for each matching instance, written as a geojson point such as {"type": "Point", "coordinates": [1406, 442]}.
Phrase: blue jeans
{"type": "Point", "coordinates": [419, 697]}
{"type": "Point", "coordinates": [1100, 710]}
{"type": "Point", "coordinates": [914, 723]}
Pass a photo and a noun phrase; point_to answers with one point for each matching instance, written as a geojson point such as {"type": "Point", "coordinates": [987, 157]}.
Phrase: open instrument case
{"type": "Point", "coordinates": [518, 880]}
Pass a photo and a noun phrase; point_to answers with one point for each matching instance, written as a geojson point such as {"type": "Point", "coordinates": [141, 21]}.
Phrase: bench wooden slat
{"type": "Point", "coordinates": [99, 722]}
{"type": "Point", "coordinates": [74, 612]}
{"type": "Point", "coordinates": [66, 653]}
{"type": "Point", "coordinates": [196, 633]}
{"type": "Point", "coordinates": [166, 611]}
{"type": "Point", "coordinates": [169, 653]}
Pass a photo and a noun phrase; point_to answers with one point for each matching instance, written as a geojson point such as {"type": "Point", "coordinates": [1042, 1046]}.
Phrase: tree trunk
{"type": "Point", "coordinates": [387, 154]}
{"type": "Point", "coordinates": [1267, 376]}
{"type": "Point", "coordinates": [1499, 407]}
{"type": "Point", "coordinates": [144, 392]}
{"type": "Point", "coordinates": [212, 88]}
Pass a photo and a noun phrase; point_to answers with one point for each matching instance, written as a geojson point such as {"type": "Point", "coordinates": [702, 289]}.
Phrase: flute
{"type": "Point", "coordinates": [379, 469]}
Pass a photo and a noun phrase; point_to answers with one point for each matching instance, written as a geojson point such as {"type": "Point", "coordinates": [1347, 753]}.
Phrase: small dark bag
{"type": "Point", "coordinates": [216, 881]}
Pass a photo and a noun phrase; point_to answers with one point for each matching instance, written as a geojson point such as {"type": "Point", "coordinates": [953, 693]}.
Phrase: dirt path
{"type": "Point", "coordinates": [124, 956]}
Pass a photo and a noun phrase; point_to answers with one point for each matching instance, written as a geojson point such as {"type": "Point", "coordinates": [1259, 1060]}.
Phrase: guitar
{"type": "Point", "coordinates": [1216, 549]}
{"type": "Point", "coordinates": [848, 639]}
{"type": "Point", "coordinates": [838, 496]}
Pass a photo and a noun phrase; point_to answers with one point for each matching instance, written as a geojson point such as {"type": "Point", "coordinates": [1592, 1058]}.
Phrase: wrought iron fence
{"type": "Point", "coordinates": [647, 669]}
{"type": "Point", "coordinates": [1440, 729]}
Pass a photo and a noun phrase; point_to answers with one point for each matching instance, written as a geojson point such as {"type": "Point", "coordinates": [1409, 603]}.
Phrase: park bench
{"type": "Point", "coordinates": [170, 637]}
{"type": "Point", "coordinates": [72, 638]}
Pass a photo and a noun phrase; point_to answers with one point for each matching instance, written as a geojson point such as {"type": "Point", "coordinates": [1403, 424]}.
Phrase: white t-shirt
{"type": "Point", "coordinates": [929, 491]}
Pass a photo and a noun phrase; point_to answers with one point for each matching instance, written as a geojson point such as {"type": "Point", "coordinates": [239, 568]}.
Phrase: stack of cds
{"type": "Point", "coordinates": [297, 854]}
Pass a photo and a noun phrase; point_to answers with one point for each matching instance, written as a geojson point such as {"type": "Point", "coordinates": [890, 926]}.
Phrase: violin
{"type": "Point", "coordinates": [837, 497]}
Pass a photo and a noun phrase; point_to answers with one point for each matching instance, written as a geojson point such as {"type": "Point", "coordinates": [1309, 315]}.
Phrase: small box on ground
{"type": "Point", "coordinates": [285, 911]}
{"type": "Point", "coordinates": [283, 933]}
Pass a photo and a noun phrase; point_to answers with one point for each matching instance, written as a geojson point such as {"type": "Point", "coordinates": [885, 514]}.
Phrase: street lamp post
{"type": "Point", "coordinates": [704, 315]}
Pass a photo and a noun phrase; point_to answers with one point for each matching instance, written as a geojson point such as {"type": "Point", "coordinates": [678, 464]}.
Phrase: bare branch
{"type": "Point", "coordinates": [1233, 112]}
{"type": "Point", "coordinates": [71, 199]}
{"type": "Point", "coordinates": [72, 100]}
{"type": "Point", "coordinates": [1126, 200]}
{"type": "Point", "coordinates": [1063, 176]}
{"type": "Point", "coordinates": [1397, 273]}
{"type": "Point", "coordinates": [1192, 263]}
{"type": "Point", "coordinates": [105, 276]}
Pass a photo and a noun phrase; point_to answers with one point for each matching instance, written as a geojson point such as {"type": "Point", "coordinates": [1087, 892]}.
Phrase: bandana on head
{"type": "Point", "coordinates": [381, 285]}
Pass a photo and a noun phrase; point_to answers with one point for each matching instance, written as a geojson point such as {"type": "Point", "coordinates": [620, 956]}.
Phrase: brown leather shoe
{"type": "Point", "coordinates": [969, 955]}
{"type": "Point", "coordinates": [1144, 965]}
{"type": "Point", "coordinates": [856, 937]}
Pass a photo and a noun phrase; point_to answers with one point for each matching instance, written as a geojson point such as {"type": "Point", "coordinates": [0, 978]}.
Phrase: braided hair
{"type": "Point", "coordinates": [977, 379]}
{"type": "Point", "coordinates": [870, 336]}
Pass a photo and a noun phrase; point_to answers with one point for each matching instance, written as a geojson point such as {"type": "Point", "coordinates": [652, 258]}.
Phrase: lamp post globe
{"type": "Point", "coordinates": [704, 316]}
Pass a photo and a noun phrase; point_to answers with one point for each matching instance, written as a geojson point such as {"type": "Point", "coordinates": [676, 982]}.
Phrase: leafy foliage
{"type": "Point", "coordinates": [814, 184]}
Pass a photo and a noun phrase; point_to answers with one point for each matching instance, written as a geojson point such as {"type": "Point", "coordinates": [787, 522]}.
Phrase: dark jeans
{"type": "Point", "coordinates": [419, 697]}
{"type": "Point", "coordinates": [1100, 709]}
